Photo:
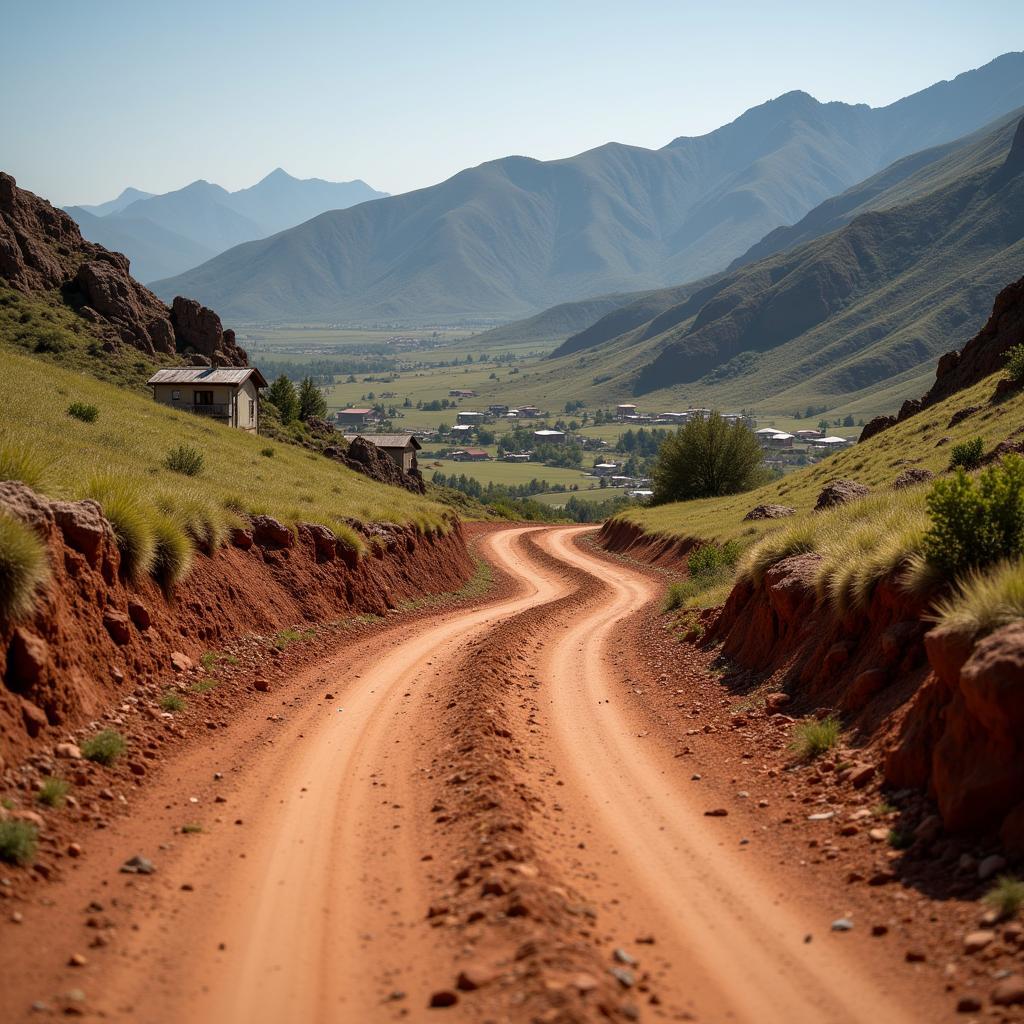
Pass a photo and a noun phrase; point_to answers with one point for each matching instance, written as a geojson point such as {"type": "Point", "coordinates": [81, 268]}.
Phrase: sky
{"type": "Point", "coordinates": [404, 93]}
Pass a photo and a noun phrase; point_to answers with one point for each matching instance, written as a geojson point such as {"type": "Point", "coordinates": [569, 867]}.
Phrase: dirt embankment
{"type": "Point", "coordinates": [94, 634]}
{"type": "Point", "coordinates": [942, 714]}
{"type": "Point", "coordinates": [626, 538]}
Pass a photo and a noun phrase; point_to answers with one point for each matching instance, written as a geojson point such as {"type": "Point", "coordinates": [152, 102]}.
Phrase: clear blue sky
{"type": "Point", "coordinates": [404, 93]}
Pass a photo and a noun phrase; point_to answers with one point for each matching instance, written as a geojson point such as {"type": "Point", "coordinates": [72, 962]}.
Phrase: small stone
{"type": "Point", "coordinates": [716, 812]}
{"type": "Point", "coordinates": [74, 850]}
{"type": "Point", "coordinates": [624, 958]}
{"type": "Point", "coordinates": [878, 835]}
{"type": "Point", "coordinates": [623, 977]}
{"type": "Point", "coordinates": [261, 685]}
{"type": "Point", "coordinates": [180, 662]}
{"type": "Point", "coordinates": [584, 982]}
{"type": "Point", "coordinates": [861, 775]}
{"type": "Point", "coordinates": [842, 924]}
{"type": "Point", "coordinates": [68, 751]}
{"type": "Point", "coordinates": [878, 930]}
{"type": "Point", "coordinates": [990, 865]}
{"type": "Point", "coordinates": [77, 960]}
{"type": "Point", "coordinates": [443, 998]}
{"type": "Point", "coordinates": [823, 816]}
{"type": "Point", "coordinates": [138, 865]}
{"type": "Point", "coordinates": [1009, 991]}
{"type": "Point", "coordinates": [968, 1004]}
{"type": "Point", "coordinates": [471, 978]}
{"type": "Point", "coordinates": [915, 956]}
{"type": "Point", "coordinates": [975, 942]}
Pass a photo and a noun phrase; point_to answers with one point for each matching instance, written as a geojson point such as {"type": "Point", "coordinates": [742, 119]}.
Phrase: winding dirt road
{"type": "Point", "coordinates": [462, 811]}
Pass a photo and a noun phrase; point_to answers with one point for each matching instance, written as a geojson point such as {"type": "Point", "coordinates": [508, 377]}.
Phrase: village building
{"type": "Point", "coordinates": [517, 457]}
{"type": "Point", "coordinates": [461, 393]}
{"type": "Point", "coordinates": [529, 411]}
{"type": "Point", "coordinates": [470, 455]}
{"type": "Point", "coordinates": [497, 410]}
{"type": "Point", "coordinates": [353, 417]}
{"type": "Point", "coordinates": [625, 410]}
{"type": "Point", "coordinates": [808, 435]}
{"type": "Point", "coordinates": [228, 394]}
{"type": "Point", "coordinates": [472, 418]}
{"type": "Point", "coordinates": [781, 440]}
{"type": "Point", "coordinates": [462, 430]}
{"type": "Point", "coordinates": [831, 443]}
{"type": "Point", "coordinates": [400, 448]}
{"type": "Point", "coordinates": [605, 468]}
{"type": "Point", "coordinates": [549, 436]}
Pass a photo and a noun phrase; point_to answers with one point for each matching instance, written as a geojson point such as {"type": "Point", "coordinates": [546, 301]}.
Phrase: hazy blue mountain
{"type": "Point", "coordinates": [165, 234]}
{"type": "Point", "coordinates": [516, 235]}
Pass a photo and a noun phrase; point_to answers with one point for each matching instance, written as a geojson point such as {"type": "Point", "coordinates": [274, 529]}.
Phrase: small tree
{"type": "Point", "coordinates": [1015, 362]}
{"type": "Point", "coordinates": [704, 459]}
{"type": "Point", "coordinates": [285, 400]}
{"type": "Point", "coordinates": [311, 400]}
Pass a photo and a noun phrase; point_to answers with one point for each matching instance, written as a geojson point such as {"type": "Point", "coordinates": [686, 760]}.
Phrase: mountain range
{"type": "Point", "coordinates": [165, 234]}
{"type": "Point", "coordinates": [515, 235]}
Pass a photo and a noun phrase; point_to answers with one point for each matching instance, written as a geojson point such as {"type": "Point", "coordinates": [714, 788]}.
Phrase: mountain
{"type": "Point", "coordinates": [515, 235]}
{"type": "Point", "coordinates": [165, 234]}
{"type": "Point", "coordinates": [126, 198]}
{"type": "Point", "coordinates": [867, 307]}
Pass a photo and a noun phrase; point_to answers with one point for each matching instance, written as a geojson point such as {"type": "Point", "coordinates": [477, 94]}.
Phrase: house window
{"type": "Point", "coordinates": [252, 411]}
{"type": "Point", "coordinates": [175, 396]}
{"type": "Point", "coordinates": [202, 398]}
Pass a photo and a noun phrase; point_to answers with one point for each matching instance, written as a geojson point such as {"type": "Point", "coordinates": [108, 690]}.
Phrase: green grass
{"type": "Point", "coordinates": [185, 459]}
{"type": "Point", "coordinates": [815, 737]}
{"type": "Point", "coordinates": [191, 829]}
{"type": "Point", "coordinates": [172, 556]}
{"type": "Point", "coordinates": [24, 567]}
{"type": "Point", "coordinates": [105, 747]}
{"type": "Point", "coordinates": [984, 601]}
{"type": "Point", "coordinates": [205, 685]}
{"type": "Point", "coordinates": [1006, 897]}
{"type": "Point", "coordinates": [52, 792]}
{"type": "Point", "coordinates": [20, 459]}
{"type": "Point", "coordinates": [18, 842]}
{"type": "Point", "coordinates": [677, 595]}
{"type": "Point", "coordinates": [84, 412]}
{"type": "Point", "coordinates": [285, 637]}
{"type": "Point", "coordinates": [172, 701]}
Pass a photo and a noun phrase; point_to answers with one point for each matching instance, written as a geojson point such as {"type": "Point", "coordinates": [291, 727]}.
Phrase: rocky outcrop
{"type": "Point", "coordinates": [769, 512]}
{"type": "Point", "coordinates": [43, 251]}
{"type": "Point", "coordinates": [365, 457]}
{"type": "Point", "coordinates": [840, 492]}
{"type": "Point", "coordinates": [912, 476]}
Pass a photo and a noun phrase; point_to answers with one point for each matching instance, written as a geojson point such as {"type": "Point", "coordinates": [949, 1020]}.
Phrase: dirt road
{"type": "Point", "coordinates": [461, 811]}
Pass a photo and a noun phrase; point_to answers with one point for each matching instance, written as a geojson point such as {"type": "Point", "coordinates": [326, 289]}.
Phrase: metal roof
{"type": "Point", "coordinates": [387, 440]}
{"type": "Point", "coordinates": [208, 375]}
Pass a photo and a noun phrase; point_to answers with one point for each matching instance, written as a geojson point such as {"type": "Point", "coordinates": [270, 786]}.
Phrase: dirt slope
{"type": "Point", "coordinates": [461, 810]}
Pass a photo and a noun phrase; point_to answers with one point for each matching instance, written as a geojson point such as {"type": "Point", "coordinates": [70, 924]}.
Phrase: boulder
{"type": "Point", "coordinates": [84, 528]}
{"type": "Point", "coordinates": [139, 614]}
{"type": "Point", "coordinates": [19, 500]}
{"type": "Point", "coordinates": [769, 512]}
{"type": "Point", "coordinates": [28, 658]}
{"type": "Point", "coordinates": [241, 538]}
{"type": "Point", "coordinates": [118, 625]}
{"type": "Point", "coordinates": [34, 718]}
{"type": "Point", "coordinates": [269, 532]}
{"type": "Point", "coordinates": [323, 540]}
{"type": "Point", "coordinates": [198, 328]}
{"type": "Point", "coordinates": [840, 492]}
{"type": "Point", "coordinates": [912, 476]}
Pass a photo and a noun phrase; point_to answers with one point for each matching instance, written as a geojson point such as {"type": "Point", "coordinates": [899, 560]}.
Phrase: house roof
{"type": "Point", "coordinates": [387, 440]}
{"type": "Point", "coordinates": [549, 433]}
{"type": "Point", "coordinates": [236, 375]}
{"type": "Point", "coordinates": [475, 451]}
{"type": "Point", "coordinates": [354, 412]}
{"type": "Point", "coordinates": [832, 440]}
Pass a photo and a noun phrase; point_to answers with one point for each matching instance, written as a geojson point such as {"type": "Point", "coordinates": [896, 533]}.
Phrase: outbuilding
{"type": "Point", "coordinates": [400, 448]}
{"type": "Point", "coordinates": [226, 393]}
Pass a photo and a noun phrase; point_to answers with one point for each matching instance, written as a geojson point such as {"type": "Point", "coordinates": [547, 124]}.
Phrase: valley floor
{"type": "Point", "coordinates": [472, 815]}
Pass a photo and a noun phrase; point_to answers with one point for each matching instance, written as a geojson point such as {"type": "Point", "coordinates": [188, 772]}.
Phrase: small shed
{"type": "Point", "coordinates": [400, 448]}
{"type": "Point", "coordinates": [230, 394]}
{"type": "Point", "coordinates": [470, 418]}
{"type": "Point", "coordinates": [353, 417]}
{"type": "Point", "coordinates": [549, 436]}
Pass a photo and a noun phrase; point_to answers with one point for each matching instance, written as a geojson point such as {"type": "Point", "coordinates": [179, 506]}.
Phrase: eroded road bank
{"type": "Point", "coordinates": [459, 818]}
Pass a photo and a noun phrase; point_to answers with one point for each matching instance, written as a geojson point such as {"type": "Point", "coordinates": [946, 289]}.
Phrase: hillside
{"type": "Point", "coordinates": [853, 320]}
{"type": "Point", "coordinates": [516, 235]}
{"type": "Point", "coordinates": [165, 234]}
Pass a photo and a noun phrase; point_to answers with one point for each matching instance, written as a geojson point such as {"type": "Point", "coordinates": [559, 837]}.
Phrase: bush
{"type": "Point", "coordinates": [105, 747]}
{"type": "Point", "coordinates": [202, 519]}
{"type": "Point", "coordinates": [133, 520]}
{"type": "Point", "coordinates": [705, 459]}
{"type": "Point", "coordinates": [1006, 897]}
{"type": "Point", "coordinates": [17, 842]}
{"type": "Point", "coordinates": [172, 701]}
{"type": "Point", "coordinates": [24, 567]}
{"type": "Point", "coordinates": [185, 459]}
{"type": "Point", "coordinates": [84, 412]}
{"type": "Point", "coordinates": [709, 560]}
{"type": "Point", "coordinates": [267, 452]}
{"type": "Point", "coordinates": [1015, 362]}
{"type": "Point", "coordinates": [813, 738]}
{"type": "Point", "coordinates": [53, 341]}
{"type": "Point", "coordinates": [976, 522]}
{"type": "Point", "coordinates": [678, 594]}
{"type": "Point", "coordinates": [53, 791]}
{"type": "Point", "coordinates": [967, 454]}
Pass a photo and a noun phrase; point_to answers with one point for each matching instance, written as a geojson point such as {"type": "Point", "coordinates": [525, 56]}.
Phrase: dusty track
{"type": "Point", "coordinates": [310, 884]}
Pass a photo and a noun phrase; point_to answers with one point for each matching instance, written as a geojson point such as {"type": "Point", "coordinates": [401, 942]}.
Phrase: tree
{"type": "Point", "coordinates": [848, 420]}
{"type": "Point", "coordinates": [282, 394]}
{"type": "Point", "coordinates": [311, 400]}
{"type": "Point", "coordinates": [704, 459]}
{"type": "Point", "coordinates": [823, 426]}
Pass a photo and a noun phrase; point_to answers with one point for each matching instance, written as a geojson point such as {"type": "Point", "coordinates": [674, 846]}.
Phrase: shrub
{"type": "Point", "coordinates": [899, 840]}
{"type": "Point", "coordinates": [704, 459]}
{"type": "Point", "coordinates": [53, 791]}
{"type": "Point", "coordinates": [813, 738]}
{"type": "Point", "coordinates": [105, 747]}
{"type": "Point", "coordinates": [267, 452]}
{"type": "Point", "coordinates": [1006, 897]}
{"type": "Point", "coordinates": [172, 701]}
{"type": "Point", "coordinates": [677, 595]}
{"type": "Point", "coordinates": [17, 842]}
{"type": "Point", "coordinates": [185, 459]}
{"type": "Point", "coordinates": [52, 340]}
{"type": "Point", "coordinates": [1015, 362]}
{"type": "Point", "coordinates": [172, 557]}
{"type": "Point", "coordinates": [24, 567]}
{"type": "Point", "coordinates": [984, 600]}
{"type": "Point", "coordinates": [709, 560]}
{"type": "Point", "coordinates": [967, 454]}
{"type": "Point", "coordinates": [133, 520]}
{"type": "Point", "coordinates": [976, 523]}
{"type": "Point", "coordinates": [84, 412]}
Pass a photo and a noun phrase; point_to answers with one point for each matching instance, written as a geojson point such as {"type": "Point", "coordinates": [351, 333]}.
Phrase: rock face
{"type": "Point", "coordinates": [769, 512]}
{"type": "Point", "coordinates": [42, 250]}
{"type": "Point", "coordinates": [366, 458]}
{"type": "Point", "coordinates": [839, 492]}
{"type": "Point", "coordinates": [912, 476]}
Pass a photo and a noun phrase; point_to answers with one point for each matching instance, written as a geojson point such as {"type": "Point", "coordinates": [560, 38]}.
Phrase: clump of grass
{"type": "Point", "coordinates": [133, 520]}
{"type": "Point", "coordinates": [18, 842]}
{"type": "Point", "coordinates": [24, 567]}
{"type": "Point", "coordinates": [191, 829]}
{"type": "Point", "coordinates": [205, 685]}
{"type": "Point", "coordinates": [709, 560]}
{"type": "Point", "coordinates": [967, 454]}
{"type": "Point", "coordinates": [984, 600]}
{"type": "Point", "coordinates": [285, 637]}
{"type": "Point", "coordinates": [53, 791]}
{"type": "Point", "coordinates": [105, 747]}
{"type": "Point", "coordinates": [84, 411]}
{"type": "Point", "coordinates": [206, 523]}
{"type": "Point", "coordinates": [20, 462]}
{"type": "Point", "coordinates": [172, 701]}
{"type": "Point", "coordinates": [267, 452]}
{"type": "Point", "coordinates": [815, 737]}
{"type": "Point", "coordinates": [185, 459]}
{"type": "Point", "coordinates": [773, 548]}
{"type": "Point", "coordinates": [172, 558]}
{"type": "Point", "coordinates": [899, 840]}
{"type": "Point", "coordinates": [1006, 897]}
{"type": "Point", "coordinates": [208, 660]}
{"type": "Point", "coordinates": [677, 595]}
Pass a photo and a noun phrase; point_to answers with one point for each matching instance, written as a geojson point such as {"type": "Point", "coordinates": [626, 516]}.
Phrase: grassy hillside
{"type": "Point", "coordinates": [845, 322]}
{"type": "Point", "coordinates": [516, 235]}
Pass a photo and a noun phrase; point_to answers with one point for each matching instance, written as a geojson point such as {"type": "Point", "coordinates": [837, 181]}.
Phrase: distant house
{"type": "Point", "coordinates": [497, 410]}
{"type": "Point", "coordinates": [470, 455]}
{"type": "Point", "coordinates": [809, 435]}
{"type": "Point", "coordinates": [625, 410]}
{"type": "Point", "coordinates": [229, 394]}
{"type": "Point", "coordinates": [605, 468]}
{"type": "Point", "coordinates": [353, 417]}
{"type": "Point", "coordinates": [461, 429]}
{"type": "Point", "coordinates": [781, 440]}
{"type": "Point", "coordinates": [529, 411]}
{"type": "Point", "coordinates": [400, 448]}
{"type": "Point", "coordinates": [549, 436]}
{"type": "Point", "coordinates": [517, 457]}
{"type": "Point", "coordinates": [472, 418]}
{"type": "Point", "coordinates": [461, 393]}
{"type": "Point", "coordinates": [831, 443]}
